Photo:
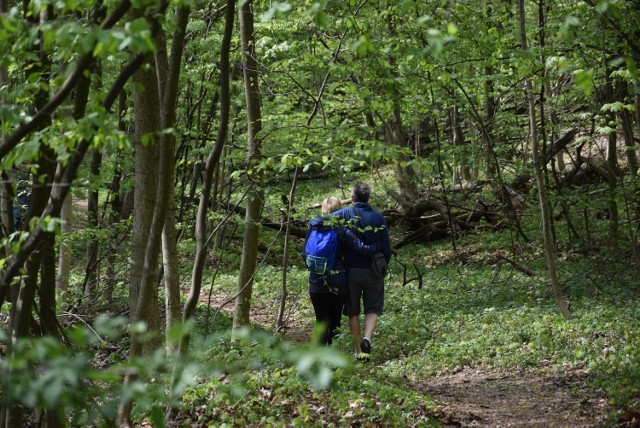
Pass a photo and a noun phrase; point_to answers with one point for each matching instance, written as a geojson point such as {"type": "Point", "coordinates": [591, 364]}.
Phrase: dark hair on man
{"type": "Point", "coordinates": [361, 191]}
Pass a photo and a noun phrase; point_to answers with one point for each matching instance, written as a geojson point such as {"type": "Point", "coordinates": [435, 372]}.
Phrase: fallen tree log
{"type": "Point", "coordinates": [522, 268]}
{"type": "Point", "coordinates": [426, 220]}
{"type": "Point", "coordinates": [587, 170]}
{"type": "Point", "coordinates": [559, 145]}
{"type": "Point", "coordinates": [295, 230]}
{"type": "Point", "coordinates": [433, 227]}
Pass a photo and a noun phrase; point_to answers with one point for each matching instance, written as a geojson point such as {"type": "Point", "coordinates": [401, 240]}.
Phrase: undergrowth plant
{"type": "Point", "coordinates": [473, 310]}
{"type": "Point", "coordinates": [475, 313]}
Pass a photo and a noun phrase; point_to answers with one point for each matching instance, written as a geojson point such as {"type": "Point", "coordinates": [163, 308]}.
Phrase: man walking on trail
{"type": "Point", "coordinates": [364, 283]}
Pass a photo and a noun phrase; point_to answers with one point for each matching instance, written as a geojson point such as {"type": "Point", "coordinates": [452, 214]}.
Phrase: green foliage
{"type": "Point", "coordinates": [584, 80]}
{"type": "Point", "coordinates": [498, 319]}
{"type": "Point", "coordinates": [335, 77]}
{"type": "Point", "coordinates": [276, 9]}
{"type": "Point", "coordinates": [43, 373]}
{"type": "Point", "coordinates": [271, 394]}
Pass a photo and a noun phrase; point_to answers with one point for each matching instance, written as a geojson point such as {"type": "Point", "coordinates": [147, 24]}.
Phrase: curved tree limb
{"type": "Point", "coordinates": [69, 84]}
{"type": "Point", "coordinates": [61, 187]}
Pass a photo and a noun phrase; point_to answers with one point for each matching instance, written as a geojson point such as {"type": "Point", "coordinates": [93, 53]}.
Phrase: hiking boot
{"type": "Point", "coordinates": [365, 345]}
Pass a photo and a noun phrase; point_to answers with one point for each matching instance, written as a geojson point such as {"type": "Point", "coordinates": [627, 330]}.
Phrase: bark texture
{"type": "Point", "coordinates": [254, 202]}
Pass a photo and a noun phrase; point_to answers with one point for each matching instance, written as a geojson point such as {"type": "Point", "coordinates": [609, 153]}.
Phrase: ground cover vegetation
{"type": "Point", "coordinates": [159, 161]}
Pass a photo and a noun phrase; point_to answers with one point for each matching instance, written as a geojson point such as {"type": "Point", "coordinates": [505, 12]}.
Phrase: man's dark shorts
{"type": "Point", "coordinates": [363, 284]}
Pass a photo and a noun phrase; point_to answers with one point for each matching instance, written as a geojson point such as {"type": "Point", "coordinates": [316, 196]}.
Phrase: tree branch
{"type": "Point", "coordinates": [62, 186]}
{"type": "Point", "coordinates": [81, 66]}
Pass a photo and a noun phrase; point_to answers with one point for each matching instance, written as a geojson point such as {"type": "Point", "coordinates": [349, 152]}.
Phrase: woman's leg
{"type": "Point", "coordinates": [322, 307]}
{"type": "Point", "coordinates": [337, 306]}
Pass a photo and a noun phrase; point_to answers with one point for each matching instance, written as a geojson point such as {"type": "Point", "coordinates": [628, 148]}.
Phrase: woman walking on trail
{"type": "Point", "coordinates": [329, 291]}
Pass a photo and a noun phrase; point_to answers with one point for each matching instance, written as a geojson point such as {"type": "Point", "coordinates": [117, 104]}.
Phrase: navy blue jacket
{"type": "Point", "coordinates": [370, 227]}
{"type": "Point", "coordinates": [337, 279]}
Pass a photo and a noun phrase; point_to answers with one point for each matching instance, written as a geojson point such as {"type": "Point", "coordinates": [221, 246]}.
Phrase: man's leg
{"type": "Point", "coordinates": [370, 321]}
{"type": "Point", "coordinates": [354, 326]}
{"type": "Point", "coordinates": [352, 306]}
{"type": "Point", "coordinates": [373, 299]}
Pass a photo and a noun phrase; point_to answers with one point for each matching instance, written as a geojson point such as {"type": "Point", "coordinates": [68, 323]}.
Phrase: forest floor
{"type": "Point", "coordinates": [477, 398]}
{"type": "Point", "coordinates": [474, 397]}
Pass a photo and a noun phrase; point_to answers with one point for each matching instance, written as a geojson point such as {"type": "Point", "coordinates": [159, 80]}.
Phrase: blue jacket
{"type": "Point", "coordinates": [370, 227]}
{"type": "Point", "coordinates": [337, 279]}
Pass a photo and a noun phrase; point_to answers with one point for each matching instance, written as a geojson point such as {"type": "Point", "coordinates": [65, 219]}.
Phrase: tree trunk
{"type": "Point", "coordinates": [24, 302]}
{"type": "Point", "coordinates": [612, 167]}
{"type": "Point", "coordinates": [542, 191]}
{"type": "Point", "coordinates": [489, 113]}
{"type": "Point", "coordinates": [171, 273]}
{"type": "Point", "coordinates": [148, 219]}
{"type": "Point", "coordinates": [43, 263]}
{"type": "Point", "coordinates": [407, 178]}
{"type": "Point", "coordinates": [462, 170]}
{"type": "Point", "coordinates": [147, 160]}
{"type": "Point", "coordinates": [542, 103]}
{"type": "Point", "coordinates": [217, 194]}
{"type": "Point", "coordinates": [93, 245]}
{"type": "Point", "coordinates": [6, 190]}
{"type": "Point", "coordinates": [47, 289]}
{"type": "Point", "coordinates": [112, 241]}
{"type": "Point", "coordinates": [637, 109]}
{"type": "Point", "coordinates": [6, 210]}
{"type": "Point", "coordinates": [285, 260]}
{"type": "Point", "coordinates": [158, 154]}
{"type": "Point", "coordinates": [168, 76]}
{"type": "Point", "coordinates": [24, 298]}
{"type": "Point", "coordinates": [254, 201]}
{"type": "Point", "coordinates": [629, 143]}
{"type": "Point", "coordinates": [212, 163]}
{"type": "Point", "coordinates": [116, 212]}
{"type": "Point", "coordinates": [64, 257]}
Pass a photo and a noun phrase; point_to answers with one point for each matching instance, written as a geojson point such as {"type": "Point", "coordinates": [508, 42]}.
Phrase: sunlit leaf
{"type": "Point", "coordinates": [584, 80]}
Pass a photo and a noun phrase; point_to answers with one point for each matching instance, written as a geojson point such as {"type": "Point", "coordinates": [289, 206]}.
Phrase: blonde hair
{"type": "Point", "coordinates": [330, 205]}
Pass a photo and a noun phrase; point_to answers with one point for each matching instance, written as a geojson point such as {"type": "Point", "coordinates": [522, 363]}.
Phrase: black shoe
{"type": "Point", "coordinates": [365, 346]}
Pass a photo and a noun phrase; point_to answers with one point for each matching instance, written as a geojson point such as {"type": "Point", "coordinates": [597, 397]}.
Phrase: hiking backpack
{"type": "Point", "coordinates": [320, 249]}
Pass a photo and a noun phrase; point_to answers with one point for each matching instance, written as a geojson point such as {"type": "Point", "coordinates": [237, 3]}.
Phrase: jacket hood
{"type": "Point", "coordinates": [317, 221]}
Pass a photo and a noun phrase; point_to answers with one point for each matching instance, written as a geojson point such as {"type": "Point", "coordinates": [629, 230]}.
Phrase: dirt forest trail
{"type": "Point", "coordinates": [477, 398]}
{"type": "Point", "coordinates": [474, 397]}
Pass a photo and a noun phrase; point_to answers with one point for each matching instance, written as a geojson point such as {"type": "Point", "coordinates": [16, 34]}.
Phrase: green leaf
{"type": "Point", "coordinates": [569, 22]}
{"type": "Point", "coordinates": [322, 20]}
{"type": "Point", "coordinates": [602, 7]}
{"type": "Point", "coordinates": [276, 9]}
{"type": "Point", "coordinates": [584, 80]}
{"type": "Point", "coordinates": [616, 107]}
{"type": "Point", "coordinates": [633, 69]}
{"type": "Point", "coordinates": [363, 46]}
{"type": "Point", "coordinates": [157, 417]}
{"type": "Point", "coordinates": [284, 7]}
{"type": "Point", "coordinates": [268, 15]}
{"type": "Point", "coordinates": [27, 151]}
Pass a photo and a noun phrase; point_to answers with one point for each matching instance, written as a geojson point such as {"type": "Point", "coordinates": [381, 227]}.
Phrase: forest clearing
{"type": "Point", "coordinates": [166, 166]}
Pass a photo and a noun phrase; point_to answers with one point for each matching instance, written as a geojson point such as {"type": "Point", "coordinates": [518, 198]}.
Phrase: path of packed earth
{"type": "Point", "coordinates": [478, 398]}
